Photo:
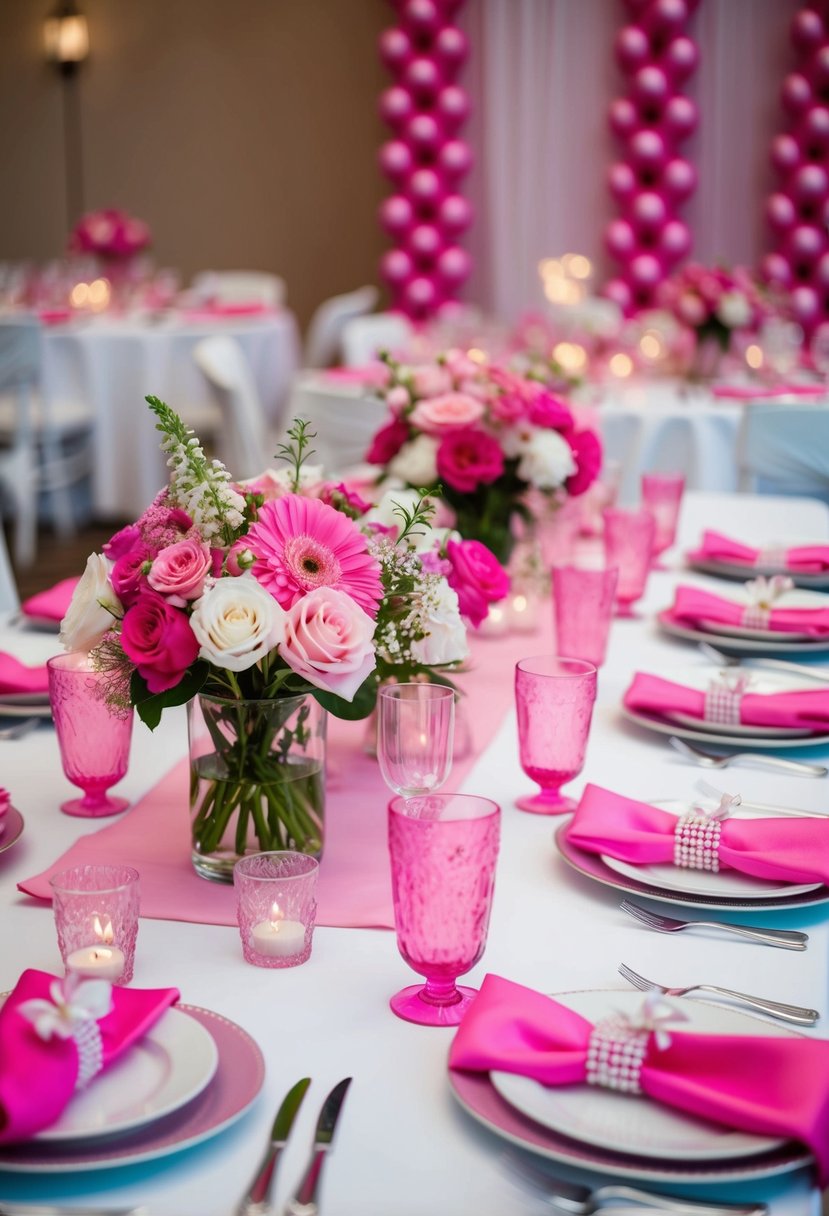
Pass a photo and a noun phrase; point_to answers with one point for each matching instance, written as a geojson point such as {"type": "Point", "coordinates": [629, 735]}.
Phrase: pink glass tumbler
{"type": "Point", "coordinates": [554, 699]}
{"type": "Point", "coordinates": [628, 545]}
{"type": "Point", "coordinates": [94, 740]}
{"type": "Point", "coordinates": [662, 495]}
{"type": "Point", "coordinates": [443, 851]}
{"type": "Point", "coordinates": [583, 606]}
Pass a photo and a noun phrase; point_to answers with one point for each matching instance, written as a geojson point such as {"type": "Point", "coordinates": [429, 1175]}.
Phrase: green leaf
{"type": "Point", "coordinates": [351, 711]}
{"type": "Point", "coordinates": [150, 706]}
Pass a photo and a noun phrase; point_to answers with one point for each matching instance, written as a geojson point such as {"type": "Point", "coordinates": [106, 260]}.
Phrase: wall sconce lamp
{"type": "Point", "coordinates": [66, 37]}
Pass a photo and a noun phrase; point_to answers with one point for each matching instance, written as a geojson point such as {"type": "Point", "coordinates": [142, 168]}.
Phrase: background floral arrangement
{"type": "Point", "coordinates": [715, 301]}
{"type": "Point", "coordinates": [109, 234]}
{"type": "Point", "coordinates": [490, 438]}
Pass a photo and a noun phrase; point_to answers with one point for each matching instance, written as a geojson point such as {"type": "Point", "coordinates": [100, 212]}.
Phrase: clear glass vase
{"type": "Point", "coordinates": [257, 779]}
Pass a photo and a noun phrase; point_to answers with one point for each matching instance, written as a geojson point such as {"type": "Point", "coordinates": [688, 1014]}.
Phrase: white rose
{"type": "Point", "coordinates": [237, 622]}
{"type": "Point", "coordinates": [547, 461]}
{"type": "Point", "coordinates": [93, 609]}
{"type": "Point", "coordinates": [734, 310]}
{"type": "Point", "coordinates": [417, 462]}
{"type": "Point", "coordinates": [445, 640]}
{"type": "Point", "coordinates": [515, 440]}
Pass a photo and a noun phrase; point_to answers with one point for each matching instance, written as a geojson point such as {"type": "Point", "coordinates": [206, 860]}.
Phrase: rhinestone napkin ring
{"type": "Point", "coordinates": [697, 842]}
{"type": "Point", "coordinates": [774, 557]}
{"type": "Point", "coordinates": [615, 1054]}
{"type": "Point", "coordinates": [723, 697]}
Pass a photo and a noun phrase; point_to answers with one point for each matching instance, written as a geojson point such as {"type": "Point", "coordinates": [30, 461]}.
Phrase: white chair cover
{"type": "Point", "coordinates": [244, 442]}
{"type": "Point", "coordinates": [327, 325]}
{"type": "Point", "coordinates": [363, 337]}
{"type": "Point", "coordinates": [785, 449]}
{"type": "Point", "coordinates": [240, 287]}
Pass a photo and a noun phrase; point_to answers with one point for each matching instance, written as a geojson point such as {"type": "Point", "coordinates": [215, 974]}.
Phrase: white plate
{"type": "Point", "coordinates": [727, 884]}
{"type": "Point", "coordinates": [8, 710]}
{"type": "Point", "coordinates": [636, 1124]}
{"type": "Point", "coordinates": [24, 698]}
{"type": "Point", "coordinates": [168, 1067]}
{"type": "Point", "coordinates": [767, 743]}
{"type": "Point", "coordinates": [743, 645]}
{"type": "Point", "coordinates": [723, 569]}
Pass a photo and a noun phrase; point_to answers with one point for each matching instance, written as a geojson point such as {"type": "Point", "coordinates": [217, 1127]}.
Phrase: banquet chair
{"type": "Point", "coordinates": [784, 449]}
{"type": "Point", "coordinates": [9, 598]}
{"type": "Point", "coordinates": [245, 445]}
{"type": "Point", "coordinates": [328, 324]}
{"type": "Point", "coordinates": [364, 336]}
{"type": "Point", "coordinates": [239, 287]}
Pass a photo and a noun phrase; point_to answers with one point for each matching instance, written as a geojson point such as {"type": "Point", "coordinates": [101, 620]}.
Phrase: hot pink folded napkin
{"type": "Point", "coordinates": [38, 1077]}
{"type": "Point", "coordinates": [692, 606]}
{"type": "Point", "coordinates": [372, 373]}
{"type": "Point", "coordinates": [55, 316]}
{"type": "Point", "coordinates": [808, 709]}
{"type": "Point", "coordinates": [786, 849]}
{"type": "Point", "coordinates": [768, 1086]}
{"type": "Point", "coordinates": [800, 559]}
{"type": "Point", "coordinates": [52, 604]}
{"type": "Point", "coordinates": [251, 308]}
{"type": "Point", "coordinates": [742, 392]}
{"type": "Point", "coordinates": [17, 677]}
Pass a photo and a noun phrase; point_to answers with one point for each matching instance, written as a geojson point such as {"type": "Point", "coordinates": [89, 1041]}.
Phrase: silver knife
{"type": "Point", "coordinates": [304, 1200]}
{"type": "Point", "coordinates": [256, 1202]}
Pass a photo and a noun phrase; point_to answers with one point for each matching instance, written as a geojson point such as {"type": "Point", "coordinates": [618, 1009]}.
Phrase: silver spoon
{"type": "Point", "coordinates": [712, 760]}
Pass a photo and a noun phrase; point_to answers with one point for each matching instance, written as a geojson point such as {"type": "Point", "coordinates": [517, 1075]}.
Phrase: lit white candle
{"type": "Point", "coordinates": [495, 622]}
{"type": "Point", "coordinates": [97, 962]}
{"type": "Point", "coordinates": [278, 937]}
{"type": "Point", "coordinates": [524, 611]}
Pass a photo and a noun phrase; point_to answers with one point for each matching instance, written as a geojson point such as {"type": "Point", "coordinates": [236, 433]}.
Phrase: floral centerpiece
{"type": "Point", "coordinates": [492, 439]}
{"type": "Point", "coordinates": [110, 235]}
{"type": "Point", "coordinates": [714, 302]}
{"type": "Point", "coordinates": [263, 605]}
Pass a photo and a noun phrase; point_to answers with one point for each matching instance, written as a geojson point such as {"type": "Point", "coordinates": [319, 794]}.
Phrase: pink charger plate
{"type": "Point", "coordinates": [11, 828]}
{"type": "Point", "coordinates": [238, 1079]}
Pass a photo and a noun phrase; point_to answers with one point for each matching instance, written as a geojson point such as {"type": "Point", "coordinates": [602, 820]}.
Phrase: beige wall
{"type": "Point", "coordinates": [243, 131]}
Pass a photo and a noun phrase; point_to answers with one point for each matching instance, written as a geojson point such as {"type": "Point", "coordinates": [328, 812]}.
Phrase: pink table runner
{"type": "Point", "coordinates": [354, 886]}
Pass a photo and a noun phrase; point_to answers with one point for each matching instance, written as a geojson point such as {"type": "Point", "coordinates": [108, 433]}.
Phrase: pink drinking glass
{"type": "Point", "coordinates": [628, 545]}
{"type": "Point", "coordinates": [554, 698]}
{"type": "Point", "coordinates": [443, 850]}
{"type": "Point", "coordinates": [583, 606]}
{"type": "Point", "coordinates": [94, 740]}
{"type": "Point", "coordinates": [662, 496]}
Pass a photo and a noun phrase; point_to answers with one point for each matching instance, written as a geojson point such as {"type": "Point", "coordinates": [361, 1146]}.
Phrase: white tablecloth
{"type": "Point", "coordinates": [112, 363]}
{"type": "Point", "coordinates": [403, 1146]}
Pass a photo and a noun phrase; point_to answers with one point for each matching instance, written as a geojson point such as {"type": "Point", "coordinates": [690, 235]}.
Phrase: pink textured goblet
{"type": "Point", "coordinates": [628, 544]}
{"type": "Point", "coordinates": [583, 606]}
{"type": "Point", "coordinates": [443, 851]}
{"type": "Point", "coordinates": [94, 740]}
{"type": "Point", "coordinates": [662, 495]}
{"type": "Point", "coordinates": [554, 699]}
{"type": "Point", "coordinates": [415, 736]}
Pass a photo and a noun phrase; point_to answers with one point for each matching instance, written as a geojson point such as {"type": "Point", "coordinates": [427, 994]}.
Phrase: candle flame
{"type": "Point", "coordinates": [103, 931]}
{"type": "Point", "coordinates": [520, 603]}
{"type": "Point", "coordinates": [276, 916]}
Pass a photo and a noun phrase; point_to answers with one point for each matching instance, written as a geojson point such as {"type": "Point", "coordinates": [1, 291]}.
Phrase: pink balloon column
{"type": "Point", "coordinates": [799, 211]}
{"type": "Point", "coordinates": [425, 159]}
{"type": "Point", "coordinates": [652, 180]}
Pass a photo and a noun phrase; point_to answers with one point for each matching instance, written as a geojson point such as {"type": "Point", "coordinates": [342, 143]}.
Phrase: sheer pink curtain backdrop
{"type": "Point", "coordinates": [541, 75]}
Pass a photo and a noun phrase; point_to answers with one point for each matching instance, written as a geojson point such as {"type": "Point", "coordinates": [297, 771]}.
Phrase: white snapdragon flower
{"type": "Point", "coordinates": [445, 639]}
{"type": "Point", "coordinates": [547, 461]}
{"type": "Point", "coordinates": [93, 609]}
{"type": "Point", "coordinates": [237, 622]}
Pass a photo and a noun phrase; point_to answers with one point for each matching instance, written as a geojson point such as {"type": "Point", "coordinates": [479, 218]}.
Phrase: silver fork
{"type": "Point", "coordinates": [709, 760]}
{"type": "Point", "coordinates": [776, 1009]}
{"type": "Point", "coordinates": [797, 669]}
{"type": "Point", "coordinates": [787, 939]}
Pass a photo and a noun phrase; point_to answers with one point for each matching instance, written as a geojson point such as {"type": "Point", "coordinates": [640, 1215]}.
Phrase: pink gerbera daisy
{"type": "Point", "coordinates": [301, 544]}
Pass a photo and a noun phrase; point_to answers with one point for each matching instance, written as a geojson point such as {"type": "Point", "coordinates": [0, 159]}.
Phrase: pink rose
{"type": "Point", "coordinates": [158, 639]}
{"type": "Point", "coordinates": [466, 459]}
{"type": "Point", "coordinates": [691, 309]}
{"type": "Point", "coordinates": [329, 641]}
{"type": "Point", "coordinates": [122, 542]}
{"type": "Point", "coordinates": [398, 398]}
{"type": "Point", "coordinates": [508, 407]}
{"type": "Point", "coordinates": [387, 442]}
{"type": "Point", "coordinates": [550, 412]}
{"type": "Point", "coordinates": [587, 451]}
{"type": "Point", "coordinates": [239, 557]}
{"type": "Point", "coordinates": [476, 576]}
{"type": "Point", "coordinates": [178, 572]}
{"type": "Point", "coordinates": [451, 412]}
{"type": "Point", "coordinates": [127, 575]}
{"type": "Point", "coordinates": [430, 380]}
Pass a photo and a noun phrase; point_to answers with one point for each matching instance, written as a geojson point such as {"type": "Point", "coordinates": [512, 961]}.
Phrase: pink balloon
{"type": "Point", "coordinates": [396, 105]}
{"type": "Point", "coordinates": [455, 158]}
{"type": "Point", "coordinates": [819, 67]}
{"type": "Point", "coordinates": [423, 77]}
{"type": "Point", "coordinates": [796, 93]}
{"type": "Point", "coordinates": [649, 211]}
{"type": "Point", "coordinates": [680, 58]}
{"type": "Point", "coordinates": [623, 116]}
{"type": "Point", "coordinates": [645, 270]}
{"type": "Point", "coordinates": [810, 183]}
{"type": "Point", "coordinates": [618, 291]}
{"type": "Point", "coordinates": [622, 181]}
{"type": "Point", "coordinates": [781, 212]}
{"type": "Point", "coordinates": [675, 241]}
{"type": "Point", "coordinates": [422, 16]}
{"type": "Point", "coordinates": [647, 149]}
{"type": "Point", "coordinates": [396, 267]}
{"type": "Point", "coordinates": [620, 239]}
{"type": "Point", "coordinates": [426, 187]}
{"type": "Point", "coordinates": [455, 213]}
{"type": "Point", "coordinates": [425, 241]}
{"type": "Point", "coordinates": [664, 15]}
{"type": "Point", "coordinates": [815, 130]}
{"type": "Point", "coordinates": [420, 294]}
{"type": "Point", "coordinates": [785, 153]}
{"type": "Point", "coordinates": [776, 269]}
{"type": "Point", "coordinates": [805, 244]}
{"type": "Point", "coordinates": [808, 30]}
{"type": "Point", "coordinates": [423, 132]}
{"type": "Point", "coordinates": [396, 159]}
{"type": "Point", "coordinates": [454, 265]}
{"type": "Point", "coordinates": [452, 106]}
{"type": "Point", "coordinates": [679, 179]}
{"type": "Point", "coordinates": [396, 215]}
{"type": "Point", "coordinates": [651, 84]}
{"type": "Point", "coordinates": [820, 274]}
{"type": "Point", "coordinates": [451, 46]}
{"type": "Point", "coordinates": [680, 116]}
{"type": "Point", "coordinates": [632, 48]}
{"type": "Point", "coordinates": [395, 48]}
{"type": "Point", "coordinates": [805, 304]}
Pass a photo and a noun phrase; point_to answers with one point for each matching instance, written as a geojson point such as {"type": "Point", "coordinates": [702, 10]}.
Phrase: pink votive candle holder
{"type": "Point", "coordinates": [662, 495]}
{"type": "Point", "coordinates": [628, 545]}
{"type": "Point", "coordinates": [276, 907]}
{"type": "Point", "coordinates": [96, 915]}
{"type": "Point", "coordinates": [583, 607]}
{"type": "Point", "coordinates": [554, 699]}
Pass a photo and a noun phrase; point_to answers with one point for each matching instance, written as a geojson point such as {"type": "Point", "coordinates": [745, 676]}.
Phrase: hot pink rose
{"type": "Point", "coordinates": [329, 641]}
{"type": "Point", "coordinates": [387, 442]}
{"type": "Point", "coordinates": [468, 458]}
{"type": "Point", "coordinates": [587, 450]}
{"type": "Point", "coordinates": [157, 637]}
{"type": "Point", "coordinates": [450, 412]}
{"type": "Point", "coordinates": [127, 575]}
{"type": "Point", "coordinates": [430, 380]}
{"type": "Point", "coordinates": [122, 542]}
{"type": "Point", "coordinates": [550, 412]}
{"type": "Point", "coordinates": [178, 572]}
{"type": "Point", "coordinates": [477, 576]}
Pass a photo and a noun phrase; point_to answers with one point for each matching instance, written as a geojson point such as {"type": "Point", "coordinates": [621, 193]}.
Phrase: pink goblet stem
{"type": "Point", "coordinates": [662, 496]}
{"type": "Point", "coordinates": [554, 700]}
{"type": "Point", "coordinates": [628, 545]}
{"type": "Point", "coordinates": [443, 850]}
